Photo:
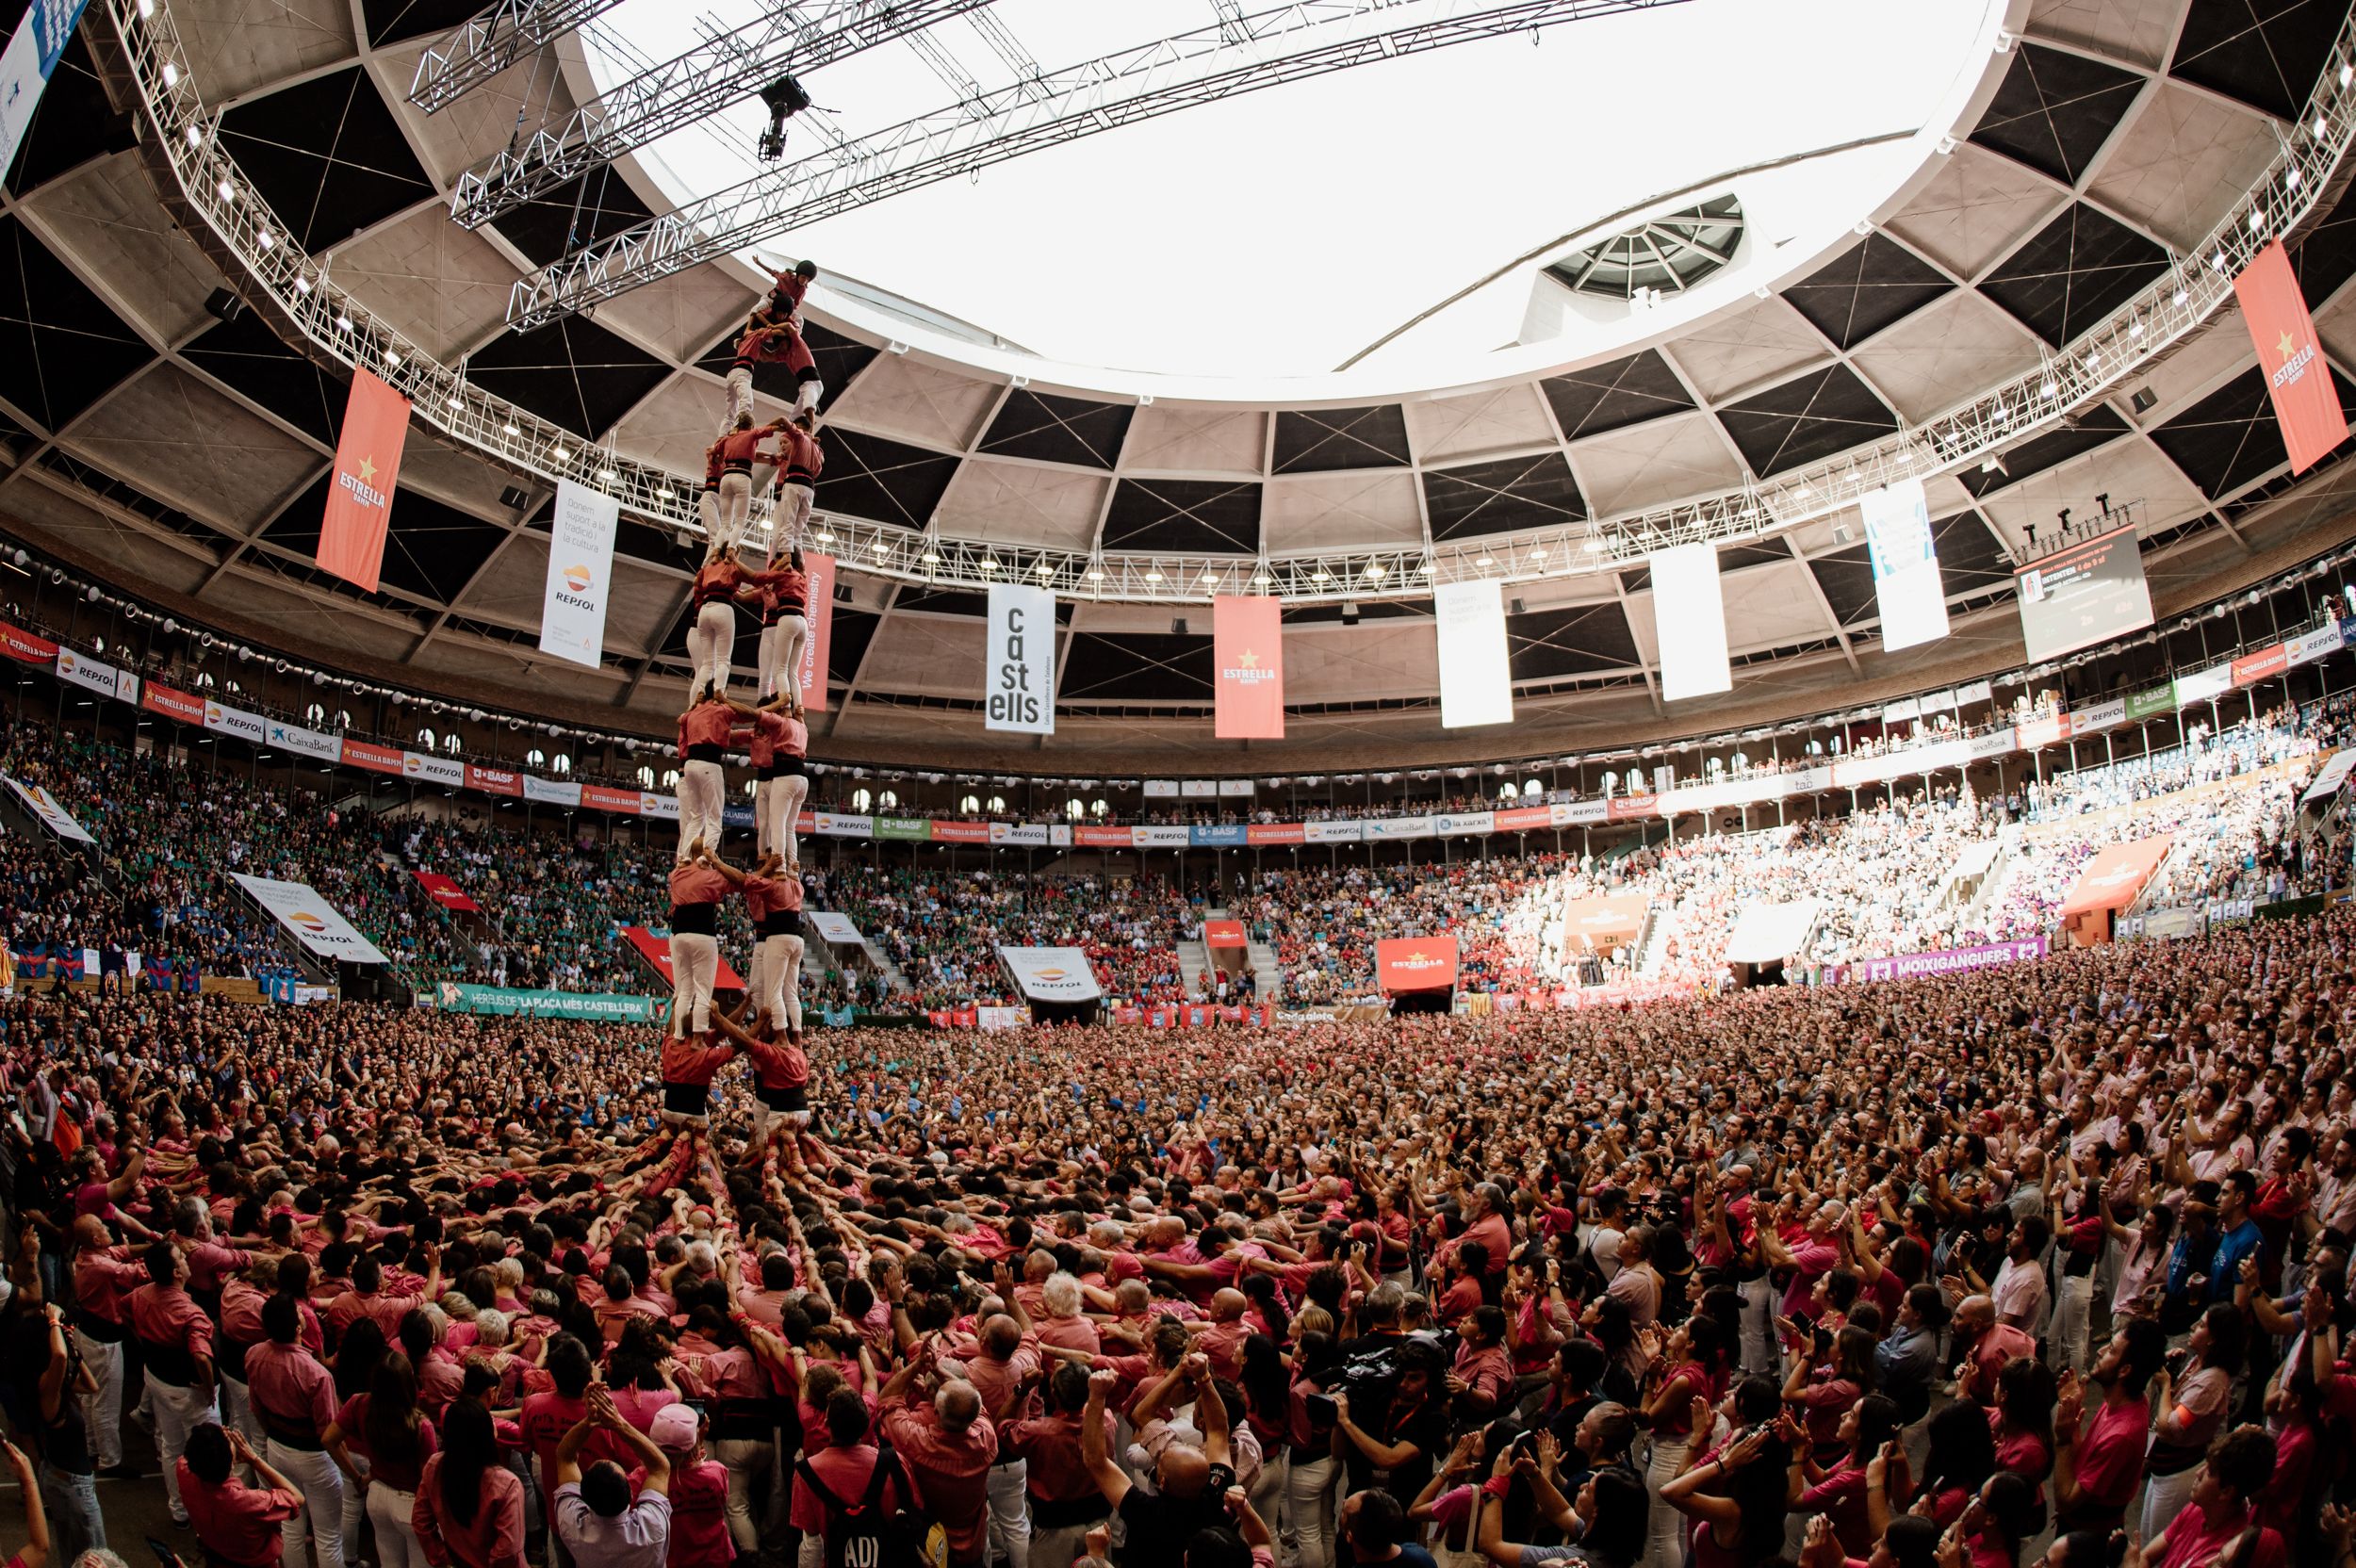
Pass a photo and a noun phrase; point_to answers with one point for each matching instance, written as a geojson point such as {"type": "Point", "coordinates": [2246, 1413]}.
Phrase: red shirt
{"type": "Point", "coordinates": [767, 730]}
{"type": "Point", "coordinates": [234, 1521]}
{"type": "Point", "coordinates": [707, 724]}
{"type": "Point", "coordinates": [802, 454]}
{"type": "Point", "coordinates": [168, 1316]}
{"type": "Point", "coordinates": [493, 1538]}
{"type": "Point", "coordinates": [740, 448]}
{"type": "Point", "coordinates": [2198, 1537]}
{"type": "Point", "coordinates": [353, 1421]}
{"type": "Point", "coordinates": [846, 1472]}
{"type": "Point", "coordinates": [696, 883]}
{"type": "Point", "coordinates": [1052, 1444]}
{"type": "Point", "coordinates": [103, 1282]}
{"type": "Point", "coordinates": [294, 1394]}
{"type": "Point", "coordinates": [685, 1062]}
{"type": "Point", "coordinates": [767, 895]}
{"type": "Point", "coordinates": [951, 1472]}
{"type": "Point", "coordinates": [787, 293]}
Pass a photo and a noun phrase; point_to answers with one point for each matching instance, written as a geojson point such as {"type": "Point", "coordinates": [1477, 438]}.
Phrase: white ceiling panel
{"type": "Point", "coordinates": [2184, 162]}
{"type": "Point", "coordinates": [902, 397]}
{"type": "Point", "coordinates": [1945, 353]}
{"type": "Point", "coordinates": [1326, 511]}
{"type": "Point", "coordinates": [1023, 503]}
{"type": "Point", "coordinates": [1508, 418]}
{"type": "Point", "coordinates": [1655, 463]}
{"type": "Point", "coordinates": [1729, 355]}
{"type": "Point", "coordinates": [1974, 209]}
{"type": "Point", "coordinates": [1176, 439]}
{"type": "Point", "coordinates": [448, 288]}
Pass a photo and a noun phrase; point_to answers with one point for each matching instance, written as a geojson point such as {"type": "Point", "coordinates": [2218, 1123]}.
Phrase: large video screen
{"type": "Point", "coordinates": [2084, 594]}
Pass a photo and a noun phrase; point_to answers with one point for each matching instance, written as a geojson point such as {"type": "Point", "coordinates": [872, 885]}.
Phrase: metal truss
{"type": "Point", "coordinates": [1284, 43]}
{"type": "Point", "coordinates": [496, 38]}
{"type": "Point", "coordinates": [681, 91]}
{"type": "Point", "coordinates": [207, 191]}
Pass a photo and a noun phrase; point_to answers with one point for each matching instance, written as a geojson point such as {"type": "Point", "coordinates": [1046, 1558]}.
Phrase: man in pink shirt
{"type": "Point", "coordinates": [1005, 1369]}
{"type": "Point", "coordinates": [948, 1446]}
{"type": "Point", "coordinates": [1065, 1499]}
{"type": "Point", "coordinates": [294, 1398]}
{"type": "Point", "coordinates": [103, 1278]}
{"type": "Point", "coordinates": [177, 1340]}
{"type": "Point", "coordinates": [365, 1299]}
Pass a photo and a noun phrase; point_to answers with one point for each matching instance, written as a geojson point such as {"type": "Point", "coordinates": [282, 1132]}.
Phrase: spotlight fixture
{"type": "Point", "coordinates": [784, 99]}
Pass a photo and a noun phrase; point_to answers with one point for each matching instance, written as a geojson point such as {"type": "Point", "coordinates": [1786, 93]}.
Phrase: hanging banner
{"type": "Point", "coordinates": [2331, 775]}
{"type": "Point", "coordinates": [906, 829]}
{"type": "Point", "coordinates": [315, 922]}
{"type": "Point", "coordinates": [2306, 405]}
{"type": "Point", "coordinates": [1018, 660]}
{"type": "Point", "coordinates": [26, 65]}
{"type": "Point", "coordinates": [1948, 960]}
{"type": "Point", "coordinates": [425, 769]}
{"type": "Point", "coordinates": [1689, 611]}
{"type": "Point", "coordinates": [1158, 835]}
{"type": "Point", "coordinates": [1235, 788]}
{"type": "Point", "coordinates": [1341, 831]}
{"type": "Point", "coordinates": [601, 797]}
{"type": "Point", "coordinates": [2114, 876]}
{"type": "Point", "coordinates": [581, 574]}
{"type": "Point", "coordinates": [836, 824]}
{"type": "Point", "coordinates": [52, 816]}
{"type": "Point", "coordinates": [1052, 973]}
{"type": "Point", "coordinates": [1221, 835]}
{"type": "Point", "coordinates": [1248, 652]}
{"type": "Point", "coordinates": [2099, 716]}
{"type": "Point", "coordinates": [819, 645]}
{"type": "Point", "coordinates": [666, 808]}
{"type": "Point", "coordinates": [80, 669]}
{"type": "Point", "coordinates": [1198, 789]}
{"type": "Point", "coordinates": [495, 781]}
{"type": "Point", "coordinates": [22, 646]}
{"type": "Point", "coordinates": [1414, 963]}
{"type": "Point", "coordinates": [374, 759]}
{"type": "Point", "coordinates": [1907, 585]}
{"type": "Point", "coordinates": [2152, 700]}
{"type": "Point", "coordinates": [1604, 920]}
{"type": "Point", "coordinates": [447, 893]}
{"type": "Point", "coordinates": [1088, 836]}
{"type": "Point", "coordinates": [1161, 788]}
{"type": "Point", "coordinates": [184, 706]}
{"type": "Point", "coordinates": [1276, 833]}
{"type": "Point", "coordinates": [368, 467]}
{"type": "Point", "coordinates": [2307, 646]}
{"type": "Point", "coordinates": [1456, 825]}
{"type": "Point", "coordinates": [306, 742]}
{"type": "Point", "coordinates": [2250, 668]}
{"type": "Point", "coordinates": [508, 1002]}
{"type": "Point", "coordinates": [1026, 833]}
{"type": "Point", "coordinates": [1522, 819]}
{"type": "Point", "coordinates": [1476, 677]}
{"type": "Point", "coordinates": [833, 927]}
{"type": "Point", "coordinates": [1224, 932]}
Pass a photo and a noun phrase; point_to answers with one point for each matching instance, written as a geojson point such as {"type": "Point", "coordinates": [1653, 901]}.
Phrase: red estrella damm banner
{"type": "Point", "coordinates": [2306, 402]}
{"type": "Point", "coordinates": [360, 491]}
{"type": "Point", "coordinates": [156, 698]}
{"type": "Point", "coordinates": [1248, 657]}
{"type": "Point", "coordinates": [1415, 963]}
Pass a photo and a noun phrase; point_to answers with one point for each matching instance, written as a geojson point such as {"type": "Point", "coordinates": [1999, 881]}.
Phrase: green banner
{"type": "Point", "coordinates": [505, 1002]}
{"type": "Point", "coordinates": [918, 828]}
{"type": "Point", "coordinates": [2155, 699]}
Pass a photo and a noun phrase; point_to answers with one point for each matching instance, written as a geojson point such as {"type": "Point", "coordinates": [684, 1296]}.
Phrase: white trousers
{"type": "Point", "coordinates": [1309, 1508]}
{"type": "Point", "coordinates": [694, 964]}
{"type": "Point", "coordinates": [179, 1411]}
{"type": "Point", "coordinates": [2073, 1303]}
{"type": "Point", "coordinates": [1665, 1527]}
{"type": "Point", "coordinates": [237, 1409]}
{"type": "Point", "coordinates": [397, 1544]}
{"type": "Point", "coordinates": [777, 808]}
{"type": "Point", "coordinates": [740, 394]}
{"type": "Point", "coordinates": [778, 963]}
{"type": "Point", "coordinates": [748, 1461]}
{"type": "Point", "coordinates": [2166, 1496]}
{"type": "Point", "coordinates": [710, 646]}
{"type": "Point", "coordinates": [736, 506]}
{"type": "Point", "coordinates": [1009, 1513]}
{"type": "Point", "coordinates": [781, 655]}
{"type": "Point", "coordinates": [1758, 1322]}
{"type": "Point", "coordinates": [702, 796]}
{"type": "Point", "coordinates": [708, 512]}
{"type": "Point", "coordinates": [102, 1409]}
{"type": "Point", "coordinates": [323, 1513]}
{"type": "Point", "coordinates": [793, 507]}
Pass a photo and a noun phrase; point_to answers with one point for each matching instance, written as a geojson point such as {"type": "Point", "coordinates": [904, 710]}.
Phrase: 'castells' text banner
{"type": "Point", "coordinates": [580, 572]}
{"type": "Point", "coordinates": [1018, 660]}
{"type": "Point", "coordinates": [508, 1000]}
{"type": "Point", "coordinates": [360, 492]}
{"type": "Point", "coordinates": [1247, 650]}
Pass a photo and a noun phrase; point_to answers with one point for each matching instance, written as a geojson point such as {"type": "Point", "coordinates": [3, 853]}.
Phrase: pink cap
{"type": "Point", "coordinates": [675, 1428]}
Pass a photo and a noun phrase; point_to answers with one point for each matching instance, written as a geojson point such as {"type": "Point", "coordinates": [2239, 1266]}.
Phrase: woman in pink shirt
{"type": "Point", "coordinates": [469, 1510]}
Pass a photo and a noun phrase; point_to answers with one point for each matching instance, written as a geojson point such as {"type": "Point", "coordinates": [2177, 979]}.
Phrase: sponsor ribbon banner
{"type": "Point", "coordinates": [1906, 586]}
{"type": "Point", "coordinates": [819, 646]}
{"type": "Point", "coordinates": [666, 808]}
{"type": "Point", "coordinates": [495, 781]}
{"type": "Point", "coordinates": [306, 742]}
{"type": "Point", "coordinates": [1217, 835]}
{"type": "Point", "coordinates": [2250, 668]}
{"type": "Point", "coordinates": [1996, 743]}
{"type": "Point", "coordinates": [1090, 837]}
{"type": "Point", "coordinates": [834, 927]}
{"type": "Point", "coordinates": [447, 893]}
{"type": "Point", "coordinates": [1032, 833]}
{"type": "Point", "coordinates": [80, 669]}
{"type": "Point", "coordinates": [599, 797]}
{"type": "Point", "coordinates": [1052, 973]}
{"type": "Point", "coordinates": [1019, 661]}
{"type": "Point", "coordinates": [1582, 814]}
{"type": "Point", "coordinates": [957, 832]}
{"type": "Point", "coordinates": [911, 829]}
{"type": "Point", "coordinates": [22, 646]}
{"type": "Point", "coordinates": [315, 922]}
{"type": "Point", "coordinates": [1974, 691]}
{"type": "Point", "coordinates": [375, 758]}
{"type": "Point", "coordinates": [581, 574]}
{"type": "Point", "coordinates": [184, 706]}
{"type": "Point", "coordinates": [360, 492]}
{"type": "Point", "coordinates": [1160, 836]}
{"type": "Point", "coordinates": [1397, 827]}
{"type": "Point", "coordinates": [657, 952]}
{"type": "Point", "coordinates": [1476, 677]}
{"type": "Point", "coordinates": [2084, 594]}
{"type": "Point", "coordinates": [1689, 611]}
{"type": "Point", "coordinates": [1414, 963]}
{"type": "Point", "coordinates": [236, 721]}
{"type": "Point", "coordinates": [2049, 730]}
{"type": "Point", "coordinates": [26, 65]}
{"type": "Point", "coordinates": [1632, 808]}
{"type": "Point", "coordinates": [2307, 646]}
{"type": "Point", "coordinates": [1521, 818]}
{"type": "Point", "coordinates": [2100, 716]}
{"type": "Point", "coordinates": [2200, 685]}
{"type": "Point", "coordinates": [552, 792]}
{"type": "Point", "coordinates": [836, 824]}
{"type": "Point", "coordinates": [2113, 878]}
{"type": "Point", "coordinates": [1456, 825]}
{"type": "Point", "coordinates": [1345, 831]}
{"type": "Point", "coordinates": [1276, 833]}
{"type": "Point", "coordinates": [1248, 657]}
{"type": "Point", "coordinates": [1948, 960]}
{"type": "Point", "coordinates": [1224, 932]}
{"type": "Point", "coordinates": [2152, 700]}
{"type": "Point", "coordinates": [2306, 403]}
{"type": "Point", "coordinates": [507, 1001]}
{"type": "Point", "coordinates": [52, 816]}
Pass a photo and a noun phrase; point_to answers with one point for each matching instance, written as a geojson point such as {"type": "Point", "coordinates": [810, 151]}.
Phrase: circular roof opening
{"type": "Point", "coordinates": [1670, 252]}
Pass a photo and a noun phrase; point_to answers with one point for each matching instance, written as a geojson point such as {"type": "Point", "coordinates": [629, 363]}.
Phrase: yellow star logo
{"type": "Point", "coordinates": [2285, 347]}
{"type": "Point", "coordinates": [1250, 661]}
{"type": "Point", "coordinates": [367, 470]}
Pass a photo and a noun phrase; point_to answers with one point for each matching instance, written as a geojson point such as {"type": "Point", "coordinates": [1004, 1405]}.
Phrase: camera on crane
{"type": "Point", "coordinates": [785, 99]}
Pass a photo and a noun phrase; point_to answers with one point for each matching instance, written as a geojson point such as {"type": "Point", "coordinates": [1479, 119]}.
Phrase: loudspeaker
{"type": "Point", "coordinates": [1178, 626]}
{"type": "Point", "coordinates": [514, 498]}
{"type": "Point", "coordinates": [223, 305]}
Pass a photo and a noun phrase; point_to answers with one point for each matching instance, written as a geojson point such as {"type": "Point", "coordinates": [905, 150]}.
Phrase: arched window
{"type": "Point", "coordinates": [536, 757]}
{"type": "Point", "coordinates": [563, 762]}
{"type": "Point", "coordinates": [970, 804]}
{"type": "Point", "coordinates": [889, 800]}
{"type": "Point", "coordinates": [1716, 766]}
{"type": "Point", "coordinates": [1509, 791]}
{"type": "Point", "coordinates": [752, 786]}
{"type": "Point", "coordinates": [1741, 762]}
{"type": "Point", "coordinates": [1635, 782]}
{"type": "Point", "coordinates": [862, 800]}
{"type": "Point", "coordinates": [235, 690]}
{"type": "Point", "coordinates": [645, 777]}
{"type": "Point", "coordinates": [1531, 790]}
{"type": "Point", "coordinates": [1102, 810]}
{"type": "Point", "coordinates": [315, 713]}
{"type": "Point", "coordinates": [450, 742]}
{"type": "Point", "coordinates": [670, 778]}
{"type": "Point", "coordinates": [425, 739]}
{"type": "Point", "coordinates": [1075, 808]}
{"type": "Point", "coordinates": [343, 719]}
{"type": "Point", "coordinates": [997, 804]}
{"type": "Point", "coordinates": [204, 680]}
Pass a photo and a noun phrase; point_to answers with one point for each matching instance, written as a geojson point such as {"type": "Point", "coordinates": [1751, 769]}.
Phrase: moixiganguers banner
{"type": "Point", "coordinates": [1950, 960]}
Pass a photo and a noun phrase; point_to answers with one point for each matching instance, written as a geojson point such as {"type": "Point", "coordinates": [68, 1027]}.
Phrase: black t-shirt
{"type": "Point", "coordinates": [1161, 1525]}
{"type": "Point", "coordinates": [1425, 1427]}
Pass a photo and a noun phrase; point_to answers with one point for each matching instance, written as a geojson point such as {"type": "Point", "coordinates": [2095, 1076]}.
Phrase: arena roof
{"type": "Point", "coordinates": [188, 456]}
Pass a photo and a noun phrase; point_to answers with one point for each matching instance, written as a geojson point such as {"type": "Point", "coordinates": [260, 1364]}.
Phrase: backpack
{"type": "Point", "coordinates": [863, 1535]}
